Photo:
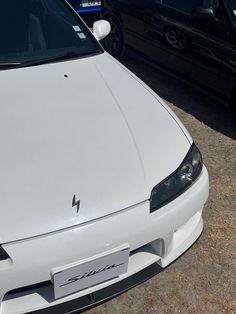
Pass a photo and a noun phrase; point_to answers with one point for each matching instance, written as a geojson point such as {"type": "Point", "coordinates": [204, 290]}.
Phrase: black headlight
{"type": "Point", "coordinates": [3, 254]}
{"type": "Point", "coordinates": [177, 182]}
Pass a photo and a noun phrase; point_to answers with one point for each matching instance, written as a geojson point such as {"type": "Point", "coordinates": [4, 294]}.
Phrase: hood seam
{"type": "Point", "coordinates": [128, 126]}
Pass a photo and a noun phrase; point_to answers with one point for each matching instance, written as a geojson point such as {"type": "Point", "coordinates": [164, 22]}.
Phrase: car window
{"type": "Point", "coordinates": [207, 3]}
{"type": "Point", "coordinates": [185, 6]}
{"type": "Point", "coordinates": [232, 8]}
{"type": "Point", "coordinates": [37, 29]}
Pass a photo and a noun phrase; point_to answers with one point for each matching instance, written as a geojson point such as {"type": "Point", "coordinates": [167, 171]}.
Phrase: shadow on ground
{"type": "Point", "coordinates": [183, 94]}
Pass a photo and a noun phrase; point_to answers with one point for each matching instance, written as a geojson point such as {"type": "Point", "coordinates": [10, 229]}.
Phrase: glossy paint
{"type": "Point", "coordinates": [160, 237]}
{"type": "Point", "coordinates": [93, 134]}
{"type": "Point", "coordinates": [209, 58]}
{"type": "Point", "coordinates": [83, 142]}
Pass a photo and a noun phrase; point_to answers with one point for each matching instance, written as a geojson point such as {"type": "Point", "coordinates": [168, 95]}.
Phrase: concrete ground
{"type": "Point", "coordinates": [204, 279]}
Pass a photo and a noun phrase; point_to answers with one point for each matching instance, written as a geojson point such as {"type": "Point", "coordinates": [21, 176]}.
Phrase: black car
{"type": "Point", "coordinates": [194, 37]}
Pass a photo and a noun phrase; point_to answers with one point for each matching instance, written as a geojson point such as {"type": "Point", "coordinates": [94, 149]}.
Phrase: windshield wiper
{"type": "Point", "coordinates": [55, 58]}
{"type": "Point", "coordinates": [61, 57]}
{"type": "Point", "coordinates": [9, 64]}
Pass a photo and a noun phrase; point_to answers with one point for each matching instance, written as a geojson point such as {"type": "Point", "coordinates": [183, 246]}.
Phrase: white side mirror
{"type": "Point", "coordinates": [101, 29]}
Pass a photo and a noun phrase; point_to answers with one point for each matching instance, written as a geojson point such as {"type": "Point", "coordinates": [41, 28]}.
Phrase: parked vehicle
{"type": "Point", "coordinates": [86, 6]}
{"type": "Point", "coordinates": [89, 9]}
{"type": "Point", "coordinates": [201, 35]}
{"type": "Point", "coordinates": [101, 185]}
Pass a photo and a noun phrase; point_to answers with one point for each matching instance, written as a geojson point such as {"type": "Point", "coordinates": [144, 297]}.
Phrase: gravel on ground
{"type": "Point", "coordinates": [204, 279]}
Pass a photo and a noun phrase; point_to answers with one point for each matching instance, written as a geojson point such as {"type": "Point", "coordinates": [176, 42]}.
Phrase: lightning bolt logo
{"type": "Point", "coordinates": [76, 203]}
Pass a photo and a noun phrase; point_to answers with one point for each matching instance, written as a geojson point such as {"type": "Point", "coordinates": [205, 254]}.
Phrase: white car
{"type": "Point", "coordinates": [101, 185]}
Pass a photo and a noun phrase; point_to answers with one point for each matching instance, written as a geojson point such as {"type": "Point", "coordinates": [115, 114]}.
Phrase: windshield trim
{"type": "Point", "coordinates": [39, 62]}
{"type": "Point", "coordinates": [85, 25]}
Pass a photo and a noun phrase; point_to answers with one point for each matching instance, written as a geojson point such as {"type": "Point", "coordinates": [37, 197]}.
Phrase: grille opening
{"type": "Point", "coordinates": [155, 247]}
{"type": "Point", "coordinates": [3, 254]}
{"type": "Point", "coordinates": [29, 288]}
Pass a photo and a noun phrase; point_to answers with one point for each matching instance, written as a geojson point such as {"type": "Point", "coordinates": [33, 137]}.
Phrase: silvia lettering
{"type": "Point", "coordinates": [90, 274]}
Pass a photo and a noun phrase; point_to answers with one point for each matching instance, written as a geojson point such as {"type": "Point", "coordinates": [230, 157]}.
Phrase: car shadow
{"type": "Point", "coordinates": [194, 100]}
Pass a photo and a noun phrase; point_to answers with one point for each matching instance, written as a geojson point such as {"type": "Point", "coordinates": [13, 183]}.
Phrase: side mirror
{"type": "Point", "coordinates": [101, 29]}
{"type": "Point", "coordinates": [204, 16]}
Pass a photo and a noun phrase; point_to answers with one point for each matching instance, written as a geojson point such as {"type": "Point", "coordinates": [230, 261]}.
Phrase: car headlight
{"type": "Point", "coordinates": [177, 182]}
{"type": "Point", "coordinates": [3, 254]}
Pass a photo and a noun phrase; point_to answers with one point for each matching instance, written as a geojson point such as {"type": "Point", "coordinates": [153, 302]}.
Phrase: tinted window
{"type": "Point", "coordinates": [232, 7]}
{"type": "Point", "coordinates": [185, 5]}
{"type": "Point", "coordinates": [207, 3]}
{"type": "Point", "coordinates": [37, 29]}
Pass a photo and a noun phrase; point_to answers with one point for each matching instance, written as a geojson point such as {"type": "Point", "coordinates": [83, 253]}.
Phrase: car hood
{"type": "Point", "coordinates": [84, 127]}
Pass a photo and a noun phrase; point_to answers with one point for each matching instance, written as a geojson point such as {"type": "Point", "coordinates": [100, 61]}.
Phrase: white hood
{"type": "Point", "coordinates": [97, 134]}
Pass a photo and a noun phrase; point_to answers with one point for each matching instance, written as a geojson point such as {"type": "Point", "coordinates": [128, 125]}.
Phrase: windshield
{"type": "Point", "coordinates": [37, 30]}
{"type": "Point", "coordinates": [232, 7]}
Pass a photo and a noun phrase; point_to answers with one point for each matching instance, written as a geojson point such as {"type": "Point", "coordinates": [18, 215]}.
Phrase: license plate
{"type": "Point", "coordinates": [87, 3]}
{"type": "Point", "coordinates": [90, 273]}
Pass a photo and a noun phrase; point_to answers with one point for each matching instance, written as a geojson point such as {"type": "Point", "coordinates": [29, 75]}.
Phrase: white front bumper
{"type": "Point", "coordinates": [159, 237]}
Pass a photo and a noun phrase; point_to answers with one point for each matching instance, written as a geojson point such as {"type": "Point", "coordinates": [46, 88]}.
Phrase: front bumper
{"type": "Point", "coordinates": [159, 238]}
{"type": "Point", "coordinates": [89, 301]}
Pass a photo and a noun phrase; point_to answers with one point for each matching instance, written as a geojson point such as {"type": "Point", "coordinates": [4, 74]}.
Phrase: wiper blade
{"type": "Point", "coordinates": [65, 56]}
{"type": "Point", "coordinates": [7, 64]}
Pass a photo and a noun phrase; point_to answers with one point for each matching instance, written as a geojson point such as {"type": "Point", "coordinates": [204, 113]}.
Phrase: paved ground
{"type": "Point", "coordinates": [204, 279]}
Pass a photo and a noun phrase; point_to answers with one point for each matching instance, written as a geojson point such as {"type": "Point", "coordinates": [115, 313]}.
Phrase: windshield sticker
{"type": "Point", "coordinates": [81, 35]}
{"type": "Point", "coordinates": [77, 28]}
